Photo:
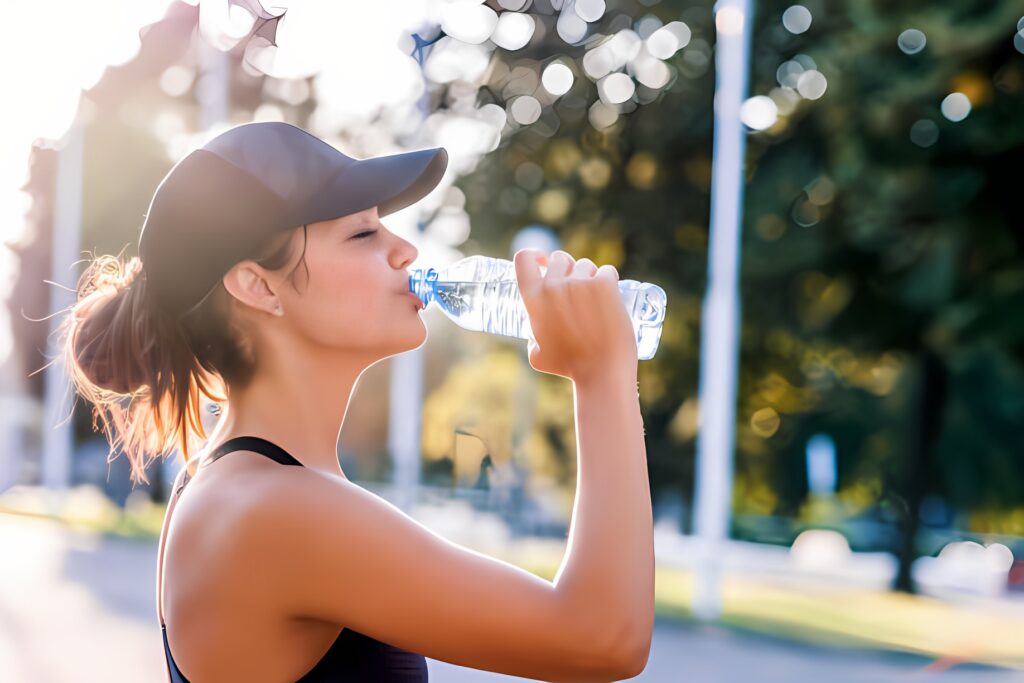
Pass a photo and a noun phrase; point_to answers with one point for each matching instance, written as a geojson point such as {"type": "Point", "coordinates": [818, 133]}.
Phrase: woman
{"type": "Point", "coordinates": [268, 284]}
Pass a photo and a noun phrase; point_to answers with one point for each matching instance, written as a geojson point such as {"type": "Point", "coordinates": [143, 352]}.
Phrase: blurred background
{"type": "Point", "coordinates": [827, 192]}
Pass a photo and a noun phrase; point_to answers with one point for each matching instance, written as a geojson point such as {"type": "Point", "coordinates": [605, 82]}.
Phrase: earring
{"type": "Point", "coordinates": [277, 310]}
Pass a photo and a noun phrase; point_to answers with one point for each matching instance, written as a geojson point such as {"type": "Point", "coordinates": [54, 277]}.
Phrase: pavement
{"type": "Point", "coordinates": [73, 602]}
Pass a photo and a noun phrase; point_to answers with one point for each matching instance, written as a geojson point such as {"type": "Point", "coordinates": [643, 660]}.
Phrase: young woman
{"type": "Point", "coordinates": [267, 284]}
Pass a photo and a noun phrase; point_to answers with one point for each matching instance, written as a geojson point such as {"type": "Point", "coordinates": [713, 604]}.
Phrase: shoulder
{"type": "Point", "coordinates": [283, 524]}
{"type": "Point", "coordinates": [286, 506]}
{"type": "Point", "coordinates": [253, 522]}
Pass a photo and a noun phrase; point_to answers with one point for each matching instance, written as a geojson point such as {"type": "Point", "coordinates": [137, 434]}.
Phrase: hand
{"type": "Point", "coordinates": [580, 326]}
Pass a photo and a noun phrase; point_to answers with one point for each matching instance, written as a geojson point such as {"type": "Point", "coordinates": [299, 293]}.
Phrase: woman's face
{"type": "Point", "coordinates": [351, 292]}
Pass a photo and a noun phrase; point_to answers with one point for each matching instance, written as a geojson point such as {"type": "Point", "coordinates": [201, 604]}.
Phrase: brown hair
{"type": "Point", "coordinates": [146, 372]}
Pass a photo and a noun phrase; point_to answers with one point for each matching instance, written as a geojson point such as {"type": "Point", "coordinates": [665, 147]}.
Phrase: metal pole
{"type": "Point", "coordinates": [58, 431]}
{"type": "Point", "coordinates": [405, 414]}
{"type": "Point", "coordinates": [721, 313]}
{"type": "Point", "coordinates": [213, 91]}
{"type": "Point", "coordinates": [405, 405]}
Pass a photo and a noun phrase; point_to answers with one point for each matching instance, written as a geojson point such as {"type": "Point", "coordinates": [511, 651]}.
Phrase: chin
{"type": "Point", "coordinates": [420, 339]}
{"type": "Point", "coordinates": [410, 341]}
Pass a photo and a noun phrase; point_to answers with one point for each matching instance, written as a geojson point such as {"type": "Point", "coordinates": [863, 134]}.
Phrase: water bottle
{"type": "Point", "coordinates": [481, 293]}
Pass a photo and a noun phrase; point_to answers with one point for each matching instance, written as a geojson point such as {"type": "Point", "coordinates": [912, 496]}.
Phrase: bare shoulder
{"type": "Point", "coordinates": [335, 552]}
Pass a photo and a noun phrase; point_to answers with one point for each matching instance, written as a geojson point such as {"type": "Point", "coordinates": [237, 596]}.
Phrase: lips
{"type": "Point", "coordinates": [419, 303]}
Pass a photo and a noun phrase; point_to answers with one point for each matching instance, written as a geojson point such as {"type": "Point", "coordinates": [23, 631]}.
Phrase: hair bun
{"type": "Point", "coordinates": [128, 275]}
{"type": "Point", "coordinates": [108, 319]}
{"type": "Point", "coordinates": [97, 347]}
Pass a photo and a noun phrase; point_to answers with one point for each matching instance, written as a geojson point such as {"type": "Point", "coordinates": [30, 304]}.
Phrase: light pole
{"type": "Point", "coordinates": [721, 311]}
{"type": "Point", "coordinates": [58, 431]}
{"type": "Point", "coordinates": [405, 390]}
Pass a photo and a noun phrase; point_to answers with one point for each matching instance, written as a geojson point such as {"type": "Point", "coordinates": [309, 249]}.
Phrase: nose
{"type": "Point", "coordinates": [404, 254]}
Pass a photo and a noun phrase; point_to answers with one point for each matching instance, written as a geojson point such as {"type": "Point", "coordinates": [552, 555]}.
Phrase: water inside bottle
{"type": "Point", "coordinates": [494, 306]}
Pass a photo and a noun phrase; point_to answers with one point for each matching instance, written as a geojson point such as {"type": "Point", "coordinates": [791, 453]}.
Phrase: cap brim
{"type": "Point", "coordinates": [390, 182]}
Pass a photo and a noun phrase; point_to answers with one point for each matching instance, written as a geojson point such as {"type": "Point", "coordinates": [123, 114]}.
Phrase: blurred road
{"type": "Point", "coordinates": [76, 606]}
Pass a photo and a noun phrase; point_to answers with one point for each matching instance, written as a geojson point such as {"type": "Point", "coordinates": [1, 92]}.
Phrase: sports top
{"type": "Point", "coordinates": [353, 656]}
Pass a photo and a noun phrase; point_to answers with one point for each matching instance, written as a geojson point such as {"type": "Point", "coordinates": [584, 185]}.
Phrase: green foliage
{"type": "Point", "coordinates": [863, 251]}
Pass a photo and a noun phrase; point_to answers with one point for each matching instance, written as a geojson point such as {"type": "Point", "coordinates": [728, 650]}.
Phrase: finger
{"type": "Point", "coordinates": [609, 274]}
{"type": "Point", "coordinates": [585, 268]}
{"type": "Point", "coordinates": [527, 263]}
{"type": "Point", "coordinates": [560, 264]}
{"type": "Point", "coordinates": [609, 271]}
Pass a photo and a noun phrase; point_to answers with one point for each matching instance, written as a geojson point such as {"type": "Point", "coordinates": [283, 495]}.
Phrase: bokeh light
{"type": "Point", "coordinates": [598, 63]}
{"type": "Point", "coordinates": [615, 88]}
{"type": "Point", "coordinates": [924, 133]}
{"type": "Point", "coordinates": [765, 422]}
{"type": "Point", "coordinates": [759, 112]}
{"type": "Point", "coordinates": [468, 21]}
{"type": "Point", "coordinates": [602, 115]}
{"type": "Point", "coordinates": [911, 41]}
{"type": "Point", "coordinates": [811, 84]}
{"type": "Point", "coordinates": [571, 27]}
{"type": "Point", "coordinates": [557, 78]}
{"type": "Point", "coordinates": [525, 109]}
{"type": "Point", "coordinates": [176, 80]}
{"type": "Point", "coordinates": [590, 10]}
{"type": "Point", "coordinates": [956, 106]}
{"type": "Point", "coordinates": [646, 25]}
{"type": "Point", "coordinates": [806, 213]}
{"type": "Point", "coordinates": [513, 30]}
{"type": "Point", "coordinates": [668, 39]}
{"type": "Point", "coordinates": [797, 19]}
{"type": "Point", "coordinates": [652, 72]}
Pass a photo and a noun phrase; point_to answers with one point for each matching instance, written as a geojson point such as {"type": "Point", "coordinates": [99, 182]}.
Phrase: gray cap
{"type": "Point", "coordinates": [225, 201]}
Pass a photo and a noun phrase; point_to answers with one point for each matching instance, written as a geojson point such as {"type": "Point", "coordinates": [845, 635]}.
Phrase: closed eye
{"type": "Point", "coordinates": [363, 235]}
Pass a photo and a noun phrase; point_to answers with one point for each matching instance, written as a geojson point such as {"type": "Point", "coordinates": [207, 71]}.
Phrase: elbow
{"type": "Point", "coordinates": [631, 649]}
{"type": "Point", "coordinates": [632, 659]}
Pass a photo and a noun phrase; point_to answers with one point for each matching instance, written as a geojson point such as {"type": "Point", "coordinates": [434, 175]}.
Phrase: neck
{"type": "Point", "coordinates": [299, 405]}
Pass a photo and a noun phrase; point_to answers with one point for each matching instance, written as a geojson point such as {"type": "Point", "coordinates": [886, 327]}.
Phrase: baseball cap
{"type": "Point", "coordinates": [225, 201]}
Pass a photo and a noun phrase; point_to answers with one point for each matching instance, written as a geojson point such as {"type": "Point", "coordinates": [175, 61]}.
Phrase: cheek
{"type": "Point", "coordinates": [348, 304]}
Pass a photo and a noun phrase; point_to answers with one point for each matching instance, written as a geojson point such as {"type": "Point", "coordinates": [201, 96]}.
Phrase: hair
{"type": "Point", "coordinates": [146, 371]}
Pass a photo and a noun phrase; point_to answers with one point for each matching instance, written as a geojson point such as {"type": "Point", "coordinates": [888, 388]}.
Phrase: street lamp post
{"type": "Point", "coordinates": [58, 431]}
{"type": "Point", "coordinates": [405, 391]}
{"type": "Point", "coordinates": [721, 311]}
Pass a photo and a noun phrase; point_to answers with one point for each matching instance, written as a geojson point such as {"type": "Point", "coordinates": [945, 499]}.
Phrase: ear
{"type": "Point", "coordinates": [248, 282]}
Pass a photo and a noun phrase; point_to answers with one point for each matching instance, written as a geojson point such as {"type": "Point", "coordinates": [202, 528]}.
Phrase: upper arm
{"type": "Point", "coordinates": [335, 552]}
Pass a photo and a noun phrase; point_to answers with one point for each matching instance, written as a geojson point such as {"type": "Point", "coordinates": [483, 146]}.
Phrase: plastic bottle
{"type": "Point", "coordinates": [481, 293]}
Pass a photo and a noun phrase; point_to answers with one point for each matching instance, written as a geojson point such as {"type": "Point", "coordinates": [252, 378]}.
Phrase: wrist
{"type": "Point", "coordinates": [608, 379]}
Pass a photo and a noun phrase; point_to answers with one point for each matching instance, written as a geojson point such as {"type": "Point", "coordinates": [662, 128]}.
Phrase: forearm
{"type": "Point", "coordinates": [608, 568]}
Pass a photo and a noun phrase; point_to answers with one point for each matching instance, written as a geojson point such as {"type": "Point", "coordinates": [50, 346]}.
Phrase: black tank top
{"type": "Point", "coordinates": [353, 656]}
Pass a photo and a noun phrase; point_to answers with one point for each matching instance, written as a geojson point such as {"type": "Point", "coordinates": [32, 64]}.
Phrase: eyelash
{"type": "Point", "coordinates": [364, 235]}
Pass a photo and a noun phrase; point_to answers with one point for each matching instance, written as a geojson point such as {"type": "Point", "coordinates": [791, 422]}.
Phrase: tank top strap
{"type": "Point", "coordinates": [244, 443]}
{"type": "Point", "coordinates": [257, 445]}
